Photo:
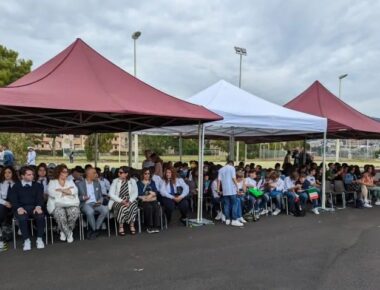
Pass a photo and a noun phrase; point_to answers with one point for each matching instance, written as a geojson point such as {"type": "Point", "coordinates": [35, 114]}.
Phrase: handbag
{"type": "Point", "coordinates": [313, 193]}
{"type": "Point", "coordinates": [255, 192]}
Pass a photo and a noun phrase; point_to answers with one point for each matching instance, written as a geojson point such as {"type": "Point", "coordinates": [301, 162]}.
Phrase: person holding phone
{"type": "Point", "coordinates": [63, 202]}
{"type": "Point", "coordinates": [91, 202]}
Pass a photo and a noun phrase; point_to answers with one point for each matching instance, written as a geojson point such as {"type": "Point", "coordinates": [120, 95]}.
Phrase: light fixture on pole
{"type": "Point", "coordinates": [337, 144]}
{"type": "Point", "coordinates": [135, 36]}
{"type": "Point", "coordinates": [240, 51]}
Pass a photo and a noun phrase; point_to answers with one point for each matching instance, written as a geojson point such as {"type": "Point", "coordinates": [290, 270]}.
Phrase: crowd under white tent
{"type": "Point", "coordinates": [244, 116]}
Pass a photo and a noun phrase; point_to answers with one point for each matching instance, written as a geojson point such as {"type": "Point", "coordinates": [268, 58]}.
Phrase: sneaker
{"type": "Point", "coordinates": [367, 205]}
{"type": "Point", "coordinates": [218, 216]}
{"type": "Point", "coordinates": [3, 246]}
{"type": "Point", "coordinates": [223, 218]}
{"type": "Point", "coordinates": [62, 236]}
{"type": "Point", "coordinates": [104, 227]}
{"type": "Point", "coordinates": [19, 232]}
{"type": "Point", "coordinates": [242, 220]}
{"type": "Point", "coordinates": [236, 223]}
{"type": "Point", "coordinates": [156, 231]}
{"type": "Point", "coordinates": [377, 202]}
{"type": "Point", "coordinates": [264, 212]}
{"type": "Point", "coordinates": [315, 210]}
{"type": "Point", "coordinates": [70, 238]}
{"type": "Point", "coordinates": [228, 222]}
{"type": "Point", "coordinates": [150, 231]}
{"type": "Point", "coordinates": [277, 211]}
{"type": "Point", "coordinates": [40, 243]}
{"type": "Point", "coordinates": [27, 245]}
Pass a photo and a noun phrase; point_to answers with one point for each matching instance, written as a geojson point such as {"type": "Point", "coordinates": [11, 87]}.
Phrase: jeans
{"type": "Point", "coordinates": [291, 199]}
{"type": "Point", "coordinates": [230, 205]}
{"type": "Point", "coordinates": [240, 205]}
{"type": "Point", "coordinates": [277, 197]}
{"type": "Point", "coordinates": [90, 210]}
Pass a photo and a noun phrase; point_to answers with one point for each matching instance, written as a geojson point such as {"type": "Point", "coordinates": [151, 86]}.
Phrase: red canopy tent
{"type": "Point", "coordinates": [343, 120]}
{"type": "Point", "coordinates": [80, 92]}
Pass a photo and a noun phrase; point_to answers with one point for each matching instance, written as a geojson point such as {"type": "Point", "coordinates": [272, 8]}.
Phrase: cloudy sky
{"type": "Point", "coordinates": [186, 46]}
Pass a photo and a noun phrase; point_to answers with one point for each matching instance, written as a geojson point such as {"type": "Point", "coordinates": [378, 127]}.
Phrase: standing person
{"type": "Point", "coordinates": [31, 157]}
{"type": "Point", "coordinates": [148, 195]}
{"type": "Point", "coordinates": [9, 158]}
{"type": "Point", "coordinates": [123, 200]}
{"type": "Point", "coordinates": [158, 169]}
{"type": "Point", "coordinates": [227, 179]}
{"type": "Point", "coordinates": [287, 159]}
{"type": "Point", "coordinates": [148, 160]}
{"type": "Point", "coordinates": [27, 201]}
{"type": "Point", "coordinates": [71, 157]}
{"type": "Point", "coordinates": [63, 202]}
{"type": "Point", "coordinates": [91, 202]}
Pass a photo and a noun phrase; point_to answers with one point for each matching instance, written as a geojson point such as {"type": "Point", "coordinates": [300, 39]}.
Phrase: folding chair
{"type": "Point", "coordinates": [51, 222]}
{"type": "Point", "coordinates": [82, 222]}
{"type": "Point", "coordinates": [339, 190]}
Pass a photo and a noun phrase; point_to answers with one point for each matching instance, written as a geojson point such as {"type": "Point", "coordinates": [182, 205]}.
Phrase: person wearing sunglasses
{"type": "Point", "coordinates": [63, 202]}
{"type": "Point", "coordinates": [148, 196]}
{"type": "Point", "coordinates": [123, 200]}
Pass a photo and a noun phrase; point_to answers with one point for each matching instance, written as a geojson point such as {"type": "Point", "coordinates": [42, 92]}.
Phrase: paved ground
{"type": "Point", "coordinates": [332, 251]}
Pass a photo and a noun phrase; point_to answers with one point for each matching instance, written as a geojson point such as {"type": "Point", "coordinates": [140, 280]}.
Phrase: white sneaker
{"type": "Point", "coordinates": [218, 216]}
{"type": "Point", "coordinates": [367, 205]}
{"type": "Point", "coordinates": [70, 238]}
{"type": "Point", "coordinates": [377, 202]}
{"type": "Point", "coordinates": [19, 232]}
{"type": "Point", "coordinates": [228, 222]}
{"type": "Point", "coordinates": [242, 220]}
{"type": "Point", "coordinates": [236, 223]}
{"type": "Point", "coordinates": [104, 227]}
{"type": "Point", "coordinates": [40, 243]}
{"type": "Point", "coordinates": [315, 210]}
{"type": "Point", "coordinates": [277, 211]}
{"type": "Point", "coordinates": [27, 245]}
{"type": "Point", "coordinates": [223, 218]}
{"type": "Point", "coordinates": [62, 236]}
{"type": "Point", "coordinates": [264, 212]}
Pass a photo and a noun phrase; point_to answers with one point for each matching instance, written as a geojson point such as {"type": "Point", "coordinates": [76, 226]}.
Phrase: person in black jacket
{"type": "Point", "coordinates": [27, 202]}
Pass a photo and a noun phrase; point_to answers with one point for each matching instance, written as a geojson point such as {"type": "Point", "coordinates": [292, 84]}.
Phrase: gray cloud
{"type": "Point", "coordinates": [188, 45]}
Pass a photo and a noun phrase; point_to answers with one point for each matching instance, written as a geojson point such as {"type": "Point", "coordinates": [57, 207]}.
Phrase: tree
{"type": "Point", "coordinates": [18, 143]}
{"type": "Point", "coordinates": [104, 144]}
{"type": "Point", "coordinates": [158, 144]}
{"type": "Point", "coordinates": [11, 67]}
{"type": "Point", "coordinates": [53, 143]}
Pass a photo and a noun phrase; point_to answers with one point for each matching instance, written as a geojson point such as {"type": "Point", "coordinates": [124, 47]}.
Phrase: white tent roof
{"type": "Point", "coordinates": [245, 115]}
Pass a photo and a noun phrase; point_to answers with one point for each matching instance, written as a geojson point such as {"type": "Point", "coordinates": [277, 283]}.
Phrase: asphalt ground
{"type": "Point", "coordinates": [338, 250]}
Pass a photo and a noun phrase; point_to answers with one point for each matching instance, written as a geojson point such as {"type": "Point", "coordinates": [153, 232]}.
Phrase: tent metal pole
{"type": "Point", "coordinates": [136, 153]}
{"type": "Point", "coordinates": [200, 172]}
{"type": "Point", "coordinates": [237, 151]}
{"type": "Point", "coordinates": [180, 147]}
{"type": "Point", "coordinates": [130, 148]}
{"type": "Point", "coordinates": [245, 153]}
{"type": "Point", "coordinates": [96, 149]}
{"type": "Point", "coordinates": [324, 170]}
{"type": "Point", "coordinates": [304, 151]}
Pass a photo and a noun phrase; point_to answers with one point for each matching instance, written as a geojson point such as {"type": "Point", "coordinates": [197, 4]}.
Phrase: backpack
{"type": "Point", "coordinates": [299, 211]}
{"type": "Point", "coordinates": [359, 203]}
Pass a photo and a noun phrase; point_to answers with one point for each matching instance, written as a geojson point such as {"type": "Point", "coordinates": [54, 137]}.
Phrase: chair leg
{"type": "Point", "coordinates": [116, 229]}
{"type": "Point", "coordinates": [108, 225]}
{"type": "Point", "coordinates": [14, 232]}
{"type": "Point", "coordinates": [46, 230]}
{"type": "Point", "coordinates": [51, 230]}
{"type": "Point", "coordinates": [161, 219]}
{"type": "Point", "coordinates": [139, 220]}
{"type": "Point", "coordinates": [344, 199]}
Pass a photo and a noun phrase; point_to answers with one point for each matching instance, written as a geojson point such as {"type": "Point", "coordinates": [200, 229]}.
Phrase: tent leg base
{"type": "Point", "coordinates": [198, 223]}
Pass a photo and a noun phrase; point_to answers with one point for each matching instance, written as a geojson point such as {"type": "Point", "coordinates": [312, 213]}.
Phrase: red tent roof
{"type": "Point", "coordinates": [343, 120]}
{"type": "Point", "coordinates": [79, 83]}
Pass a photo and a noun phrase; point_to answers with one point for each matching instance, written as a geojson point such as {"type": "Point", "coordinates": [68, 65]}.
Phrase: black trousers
{"type": "Point", "coordinates": [169, 206]}
{"type": "Point", "coordinates": [151, 214]}
{"type": "Point", "coordinates": [23, 221]}
{"type": "Point", "coordinates": [5, 214]}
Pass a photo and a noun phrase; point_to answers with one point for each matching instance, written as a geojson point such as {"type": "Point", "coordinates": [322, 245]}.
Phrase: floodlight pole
{"type": "Point", "coordinates": [135, 36]}
{"type": "Point", "coordinates": [337, 144]}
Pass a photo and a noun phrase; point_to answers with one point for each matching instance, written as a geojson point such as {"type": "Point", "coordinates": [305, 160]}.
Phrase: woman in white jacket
{"type": "Point", "coordinates": [123, 200]}
{"type": "Point", "coordinates": [63, 202]}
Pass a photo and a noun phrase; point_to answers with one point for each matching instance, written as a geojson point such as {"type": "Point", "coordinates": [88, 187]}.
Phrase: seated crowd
{"type": "Point", "coordinates": [234, 194]}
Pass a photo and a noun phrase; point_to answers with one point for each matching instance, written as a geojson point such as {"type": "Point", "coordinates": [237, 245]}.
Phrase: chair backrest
{"type": "Point", "coordinates": [339, 186]}
{"type": "Point", "coordinates": [328, 186]}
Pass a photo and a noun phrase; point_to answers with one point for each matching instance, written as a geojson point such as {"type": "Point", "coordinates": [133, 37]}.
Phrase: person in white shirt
{"type": "Point", "coordinates": [31, 158]}
{"type": "Point", "coordinates": [147, 163]}
{"type": "Point", "coordinates": [173, 191]}
{"type": "Point", "coordinates": [250, 182]}
{"type": "Point", "coordinates": [216, 200]}
{"type": "Point", "coordinates": [276, 187]}
{"type": "Point", "coordinates": [241, 196]}
{"type": "Point", "coordinates": [8, 177]}
{"type": "Point", "coordinates": [63, 202]}
{"type": "Point", "coordinates": [291, 188]}
{"type": "Point", "coordinates": [227, 181]}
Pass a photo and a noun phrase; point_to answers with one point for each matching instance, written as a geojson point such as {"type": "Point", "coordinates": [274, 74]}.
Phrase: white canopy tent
{"type": "Point", "coordinates": [244, 115]}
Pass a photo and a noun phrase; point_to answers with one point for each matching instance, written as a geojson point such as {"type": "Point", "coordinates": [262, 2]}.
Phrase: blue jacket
{"type": "Point", "coordinates": [141, 187]}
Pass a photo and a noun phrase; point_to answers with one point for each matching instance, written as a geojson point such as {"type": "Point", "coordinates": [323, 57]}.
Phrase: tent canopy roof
{"type": "Point", "coordinates": [79, 91]}
{"type": "Point", "coordinates": [246, 115]}
{"type": "Point", "coordinates": [343, 120]}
